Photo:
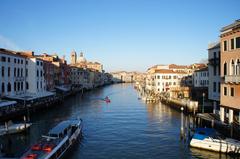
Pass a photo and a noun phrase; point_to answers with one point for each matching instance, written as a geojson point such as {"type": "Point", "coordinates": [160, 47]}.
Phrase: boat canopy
{"type": "Point", "coordinates": [61, 127]}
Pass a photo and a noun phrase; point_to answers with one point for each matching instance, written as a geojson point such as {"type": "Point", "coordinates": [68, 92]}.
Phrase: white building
{"type": "Point", "coordinates": [35, 78]}
{"type": "Point", "coordinates": [167, 79]}
{"type": "Point", "coordinates": [12, 73]}
{"type": "Point", "coordinates": [200, 78]}
{"type": "Point", "coordinates": [214, 75]}
{"type": "Point", "coordinates": [161, 78]}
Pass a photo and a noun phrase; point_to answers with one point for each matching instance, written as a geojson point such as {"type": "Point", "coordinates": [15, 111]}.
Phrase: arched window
{"type": "Point", "coordinates": [238, 67]}
{"type": "Point", "coordinates": [9, 87]}
{"type": "Point", "coordinates": [15, 86]}
{"type": "Point", "coordinates": [232, 68]}
{"type": "Point", "coordinates": [3, 88]}
{"type": "Point", "coordinates": [225, 69]}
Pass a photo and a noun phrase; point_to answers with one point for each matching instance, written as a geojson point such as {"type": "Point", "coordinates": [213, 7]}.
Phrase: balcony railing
{"type": "Point", "coordinates": [213, 61]}
{"type": "Point", "coordinates": [232, 79]}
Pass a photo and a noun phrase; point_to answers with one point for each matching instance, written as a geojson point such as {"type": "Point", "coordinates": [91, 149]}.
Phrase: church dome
{"type": "Point", "coordinates": [82, 59]}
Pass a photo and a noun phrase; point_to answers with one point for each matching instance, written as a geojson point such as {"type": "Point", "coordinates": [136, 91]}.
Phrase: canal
{"type": "Point", "coordinates": [126, 128]}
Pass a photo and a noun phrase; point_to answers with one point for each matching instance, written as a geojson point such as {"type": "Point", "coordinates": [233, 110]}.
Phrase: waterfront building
{"type": "Point", "coordinates": [200, 78]}
{"type": "Point", "coordinates": [81, 62]}
{"type": "Point", "coordinates": [214, 75]}
{"type": "Point", "coordinates": [230, 73]}
{"type": "Point", "coordinates": [164, 78]}
{"type": "Point", "coordinates": [25, 76]}
{"type": "Point", "coordinates": [123, 76]}
{"type": "Point", "coordinates": [199, 90]}
{"type": "Point", "coordinates": [61, 69]}
{"type": "Point", "coordinates": [13, 72]}
{"type": "Point", "coordinates": [79, 78]}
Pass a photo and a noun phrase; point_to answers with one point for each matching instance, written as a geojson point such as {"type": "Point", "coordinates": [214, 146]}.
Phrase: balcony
{"type": "Point", "coordinates": [232, 79]}
{"type": "Point", "coordinates": [213, 61]}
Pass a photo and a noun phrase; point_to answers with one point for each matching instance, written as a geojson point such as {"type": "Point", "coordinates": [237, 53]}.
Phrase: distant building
{"type": "Point", "coordinates": [81, 62]}
{"type": "Point", "coordinates": [230, 73]}
{"type": "Point", "coordinates": [214, 75]}
{"type": "Point", "coordinates": [200, 78]}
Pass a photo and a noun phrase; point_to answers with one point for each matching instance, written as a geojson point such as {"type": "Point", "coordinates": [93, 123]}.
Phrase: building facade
{"type": "Point", "coordinates": [230, 73]}
{"type": "Point", "coordinates": [214, 75]}
{"type": "Point", "coordinates": [13, 72]}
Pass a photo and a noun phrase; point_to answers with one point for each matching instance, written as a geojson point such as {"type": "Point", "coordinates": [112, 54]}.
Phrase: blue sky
{"type": "Point", "coordinates": [129, 35]}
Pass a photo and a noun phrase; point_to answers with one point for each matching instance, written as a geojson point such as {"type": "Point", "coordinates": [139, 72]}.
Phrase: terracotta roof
{"type": "Point", "coordinates": [166, 71]}
{"type": "Point", "coordinates": [202, 69]}
{"type": "Point", "coordinates": [174, 66]}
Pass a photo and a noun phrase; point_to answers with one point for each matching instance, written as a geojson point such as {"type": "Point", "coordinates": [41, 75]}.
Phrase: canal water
{"type": "Point", "coordinates": [126, 128]}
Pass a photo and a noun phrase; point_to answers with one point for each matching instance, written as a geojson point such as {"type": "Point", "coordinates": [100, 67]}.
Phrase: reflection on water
{"type": "Point", "coordinates": [124, 128]}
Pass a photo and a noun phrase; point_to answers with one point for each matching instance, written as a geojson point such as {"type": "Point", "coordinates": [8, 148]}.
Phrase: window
{"type": "Point", "coordinates": [14, 72]}
{"type": "Point", "coordinates": [214, 86]}
{"type": "Point", "coordinates": [232, 91]}
{"type": "Point", "coordinates": [37, 62]}
{"type": "Point", "coordinates": [238, 42]}
{"type": "Point", "coordinates": [15, 60]}
{"type": "Point", "coordinates": [26, 72]}
{"type": "Point", "coordinates": [21, 61]}
{"type": "Point", "coordinates": [37, 73]}
{"type": "Point", "coordinates": [9, 60]}
{"type": "Point", "coordinates": [15, 86]}
{"type": "Point", "coordinates": [3, 59]}
{"type": "Point", "coordinates": [26, 62]}
{"type": "Point", "coordinates": [21, 72]}
{"type": "Point", "coordinates": [18, 86]}
{"type": "Point", "coordinates": [3, 88]}
{"type": "Point", "coordinates": [9, 87]}
{"type": "Point", "coordinates": [9, 70]}
{"type": "Point", "coordinates": [225, 69]}
{"type": "Point", "coordinates": [2, 71]}
{"type": "Point", "coordinates": [225, 91]}
{"type": "Point", "coordinates": [225, 45]}
{"type": "Point", "coordinates": [21, 85]}
{"type": "Point", "coordinates": [232, 44]}
{"type": "Point", "coordinates": [214, 70]}
{"type": "Point", "coordinates": [41, 63]}
{"type": "Point", "coordinates": [18, 61]}
{"type": "Point", "coordinates": [18, 72]}
{"type": "Point", "coordinates": [27, 86]}
{"type": "Point", "coordinates": [219, 86]}
{"type": "Point", "coordinates": [37, 85]}
{"type": "Point", "coordinates": [41, 73]}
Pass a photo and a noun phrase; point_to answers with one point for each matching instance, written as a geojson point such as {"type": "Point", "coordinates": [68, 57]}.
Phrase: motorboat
{"type": "Point", "coordinates": [13, 128]}
{"type": "Point", "coordinates": [57, 141]}
{"type": "Point", "coordinates": [210, 139]}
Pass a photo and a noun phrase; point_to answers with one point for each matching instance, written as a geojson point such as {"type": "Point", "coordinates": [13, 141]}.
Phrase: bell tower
{"type": "Point", "coordinates": [73, 57]}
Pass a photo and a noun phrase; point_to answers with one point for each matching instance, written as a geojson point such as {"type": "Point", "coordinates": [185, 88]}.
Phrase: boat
{"type": "Point", "coordinates": [210, 139]}
{"type": "Point", "coordinates": [57, 141]}
{"type": "Point", "coordinates": [13, 128]}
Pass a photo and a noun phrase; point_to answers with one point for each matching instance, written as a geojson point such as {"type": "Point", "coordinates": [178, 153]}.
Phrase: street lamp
{"type": "Point", "coordinates": [203, 103]}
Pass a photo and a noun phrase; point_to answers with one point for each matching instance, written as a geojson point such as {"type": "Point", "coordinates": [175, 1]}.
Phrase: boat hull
{"type": "Point", "coordinates": [217, 145]}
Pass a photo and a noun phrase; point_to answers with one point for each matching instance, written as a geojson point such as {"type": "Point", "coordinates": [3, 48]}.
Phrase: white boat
{"type": "Point", "coordinates": [58, 140]}
{"type": "Point", "coordinates": [12, 128]}
{"type": "Point", "coordinates": [209, 139]}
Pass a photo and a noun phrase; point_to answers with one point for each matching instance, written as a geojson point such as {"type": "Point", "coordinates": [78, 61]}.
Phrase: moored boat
{"type": "Point", "coordinates": [209, 139]}
{"type": "Point", "coordinates": [58, 140]}
{"type": "Point", "coordinates": [13, 128]}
